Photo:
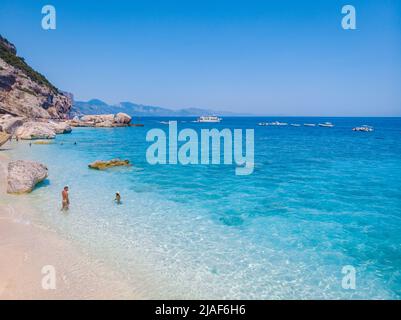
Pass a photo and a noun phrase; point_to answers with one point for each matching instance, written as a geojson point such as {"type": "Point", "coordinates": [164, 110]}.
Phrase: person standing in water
{"type": "Point", "coordinates": [118, 198]}
{"type": "Point", "coordinates": [66, 199]}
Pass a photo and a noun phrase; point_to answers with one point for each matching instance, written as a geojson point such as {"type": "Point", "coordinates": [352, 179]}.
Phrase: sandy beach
{"type": "Point", "coordinates": [26, 248]}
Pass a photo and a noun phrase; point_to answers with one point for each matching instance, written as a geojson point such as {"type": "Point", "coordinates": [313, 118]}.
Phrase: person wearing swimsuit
{"type": "Point", "coordinates": [66, 199]}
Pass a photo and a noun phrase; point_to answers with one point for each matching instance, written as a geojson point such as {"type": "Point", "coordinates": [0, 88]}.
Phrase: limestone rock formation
{"type": "Point", "coordinates": [122, 118]}
{"type": "Point", "coordinates": [60, 127]}
{"type": "Point", "coordinates": [23, 176]}
{"type": "Point", "coordinates": [35, 130]}
{"type": "Point", "coordinates": [102, 121]}
{"type": "Point", "coordinates": [9, 123]}
{"type": "Point", "coordinates": [25, 92]}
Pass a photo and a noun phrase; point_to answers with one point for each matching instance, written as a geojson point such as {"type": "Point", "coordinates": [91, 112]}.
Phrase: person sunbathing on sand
{"type": "Point", "coordinates": [66, 199]}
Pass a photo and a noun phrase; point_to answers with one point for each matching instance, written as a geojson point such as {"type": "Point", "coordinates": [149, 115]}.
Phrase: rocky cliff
{"type": "Point", "coordinates": [25, 92]}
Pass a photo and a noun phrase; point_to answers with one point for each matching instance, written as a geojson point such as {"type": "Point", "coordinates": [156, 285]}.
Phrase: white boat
{"type": "Point", "coordinates": [326, 124]}
{"type": "Point", "coordinates": [276, 123]}
{"type": "Point", "coordinates": [364, 128]}
{"type": "Point", "coordinates": [309, 125]}
{"type": "Point", "coordinates": [209, 119]}
{"type": "Point", "coordinates": [263, 124]}
{"type": "Point", "coordinates": [295, 125]}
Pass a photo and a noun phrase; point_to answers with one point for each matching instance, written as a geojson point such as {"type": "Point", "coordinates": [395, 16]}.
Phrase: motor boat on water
{"type": "Point", "coordinates": [277, 123]}
{"type": "Point", "coordinates": [309, 125]}
{"type": "Point", "coordinates": [209, 119]}
{"type": "Point", "coordinates": [326, 125]}
{"type": "Point", "coordinates": [364, 128]}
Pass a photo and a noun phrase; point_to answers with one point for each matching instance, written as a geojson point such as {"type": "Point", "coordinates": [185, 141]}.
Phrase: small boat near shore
{"type": "Point", "coordinates": [326, 125]}
{"type": "Point", "coordinates": [364, 128]}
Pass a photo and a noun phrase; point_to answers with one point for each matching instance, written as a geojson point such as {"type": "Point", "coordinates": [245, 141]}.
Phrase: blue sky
{"type": "Point", "coordinates": [264, 57]}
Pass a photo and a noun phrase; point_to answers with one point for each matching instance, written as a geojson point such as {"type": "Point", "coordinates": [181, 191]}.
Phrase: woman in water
{"type": "Point", "coordinates": [118, 198]}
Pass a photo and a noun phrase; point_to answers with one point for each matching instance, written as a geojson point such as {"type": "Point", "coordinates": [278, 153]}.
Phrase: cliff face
{"type": "Point", "coordinates": [25, 92]}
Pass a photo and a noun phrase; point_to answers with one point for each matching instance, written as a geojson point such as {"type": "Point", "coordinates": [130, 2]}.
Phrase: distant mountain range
{"type": "Point", "coordinates": [96, 106]}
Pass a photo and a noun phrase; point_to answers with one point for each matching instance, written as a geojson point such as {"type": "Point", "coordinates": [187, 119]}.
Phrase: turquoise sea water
{"type": "Point", "coordinates": [319, 199]}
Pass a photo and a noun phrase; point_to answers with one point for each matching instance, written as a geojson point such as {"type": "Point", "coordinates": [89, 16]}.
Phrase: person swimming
{"type": "Point", "coordinates": [66, 199]}
{"type": "Point", "coordinates": [118, 198]}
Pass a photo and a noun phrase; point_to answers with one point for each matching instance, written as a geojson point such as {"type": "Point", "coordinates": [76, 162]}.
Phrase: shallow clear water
{"type": "Point", "coordinates": [319, 199]}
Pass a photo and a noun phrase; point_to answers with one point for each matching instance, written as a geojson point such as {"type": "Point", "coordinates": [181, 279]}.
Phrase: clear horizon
{"type": "Point", "coordinates": [259, 57]}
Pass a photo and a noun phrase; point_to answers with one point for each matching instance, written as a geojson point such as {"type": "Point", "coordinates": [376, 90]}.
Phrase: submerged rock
{"type": "Point", "coordinates": [102, 165]}
{"type": "Point", "coordinates": [23, 176]}
{"type": "Point", "coordinates": [43, 142]}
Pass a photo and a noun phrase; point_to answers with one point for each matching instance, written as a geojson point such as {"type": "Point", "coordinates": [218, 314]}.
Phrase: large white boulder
{"type": "Point", "coordinates": [23, 176]}
{"type": "Point", "coordinates": [35, 130]}
{"type": "Point", "coordinates": [122, 118]}
{"type": "Point", "coordinates": [60, 127]}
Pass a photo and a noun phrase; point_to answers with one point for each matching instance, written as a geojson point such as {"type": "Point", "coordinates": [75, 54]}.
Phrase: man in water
{"type": "Point", "coordinates": [66, 199]}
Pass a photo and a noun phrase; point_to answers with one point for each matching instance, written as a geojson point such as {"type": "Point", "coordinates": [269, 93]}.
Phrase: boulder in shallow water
{"type": "Point", "coordinates": [60, 127]}
{"type": "Point", "coordinates": [35, 130]}
{"type": "Point", "coordinates": [103, 165]}
{"type": "Point", "coordinates": [23, 176]}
